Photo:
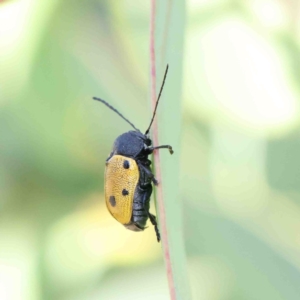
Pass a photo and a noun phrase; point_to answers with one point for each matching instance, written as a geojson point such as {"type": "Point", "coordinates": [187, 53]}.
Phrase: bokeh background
{"type": "Point", "coordinates": [239, 157]}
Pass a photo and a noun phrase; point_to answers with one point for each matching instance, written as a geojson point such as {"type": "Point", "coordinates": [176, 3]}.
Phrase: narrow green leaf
{"type": "Point", "coordinates": [167, 24]}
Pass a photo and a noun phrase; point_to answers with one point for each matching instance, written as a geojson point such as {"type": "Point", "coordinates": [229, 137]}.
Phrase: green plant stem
{"type": "Point", "coordinates": [159, 193]}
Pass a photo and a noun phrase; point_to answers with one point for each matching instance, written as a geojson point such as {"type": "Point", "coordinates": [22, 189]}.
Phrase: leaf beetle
{"type": "Point", "coordinates": [128, 176]}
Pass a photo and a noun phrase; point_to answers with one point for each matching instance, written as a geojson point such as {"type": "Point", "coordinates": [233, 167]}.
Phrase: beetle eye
{"type": "Point", "coordinates": [148, 142]}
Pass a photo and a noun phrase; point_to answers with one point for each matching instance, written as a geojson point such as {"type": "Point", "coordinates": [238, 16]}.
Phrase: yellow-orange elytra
{"type": "Point", "coordinates": [121, 179]}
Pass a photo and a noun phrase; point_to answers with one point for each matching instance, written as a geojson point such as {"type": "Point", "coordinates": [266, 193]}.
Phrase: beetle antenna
{"type": "Point", "coordinates": [112, 108]}
{"type": "Point", "coordinates": [161, 88]}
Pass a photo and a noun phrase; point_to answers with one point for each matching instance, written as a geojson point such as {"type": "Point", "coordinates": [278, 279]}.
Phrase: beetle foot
{"type": "Point", "coordinates": [154, 223]}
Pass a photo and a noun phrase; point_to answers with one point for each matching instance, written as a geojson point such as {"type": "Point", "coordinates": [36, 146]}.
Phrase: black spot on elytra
{"type": "Point", "coordinates": [125, 192]}
{"type": "Point", "coordinates": [112, 200]}
{"type": "Point", "coordinates": [126, 164]}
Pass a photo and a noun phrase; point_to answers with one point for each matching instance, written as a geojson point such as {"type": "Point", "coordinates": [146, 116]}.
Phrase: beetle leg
{"type": "Point", "coordinates": [162, 147]}
{"type": "Point", "coordinates": [155, 181]}
{"type": "Point", "coordinates": [154, 223]}
{"type": "Point", "coordinates": [152, 218]}
{"type": "Point", "coordinates": [149, 173]}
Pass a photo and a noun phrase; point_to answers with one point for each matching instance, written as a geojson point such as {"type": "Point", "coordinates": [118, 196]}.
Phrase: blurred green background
{"type": "Point", "coordinates": [239, 158]}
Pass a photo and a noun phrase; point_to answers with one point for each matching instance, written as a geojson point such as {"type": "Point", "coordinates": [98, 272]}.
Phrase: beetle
{"type": "Point", "coordinates": [128, 175]}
